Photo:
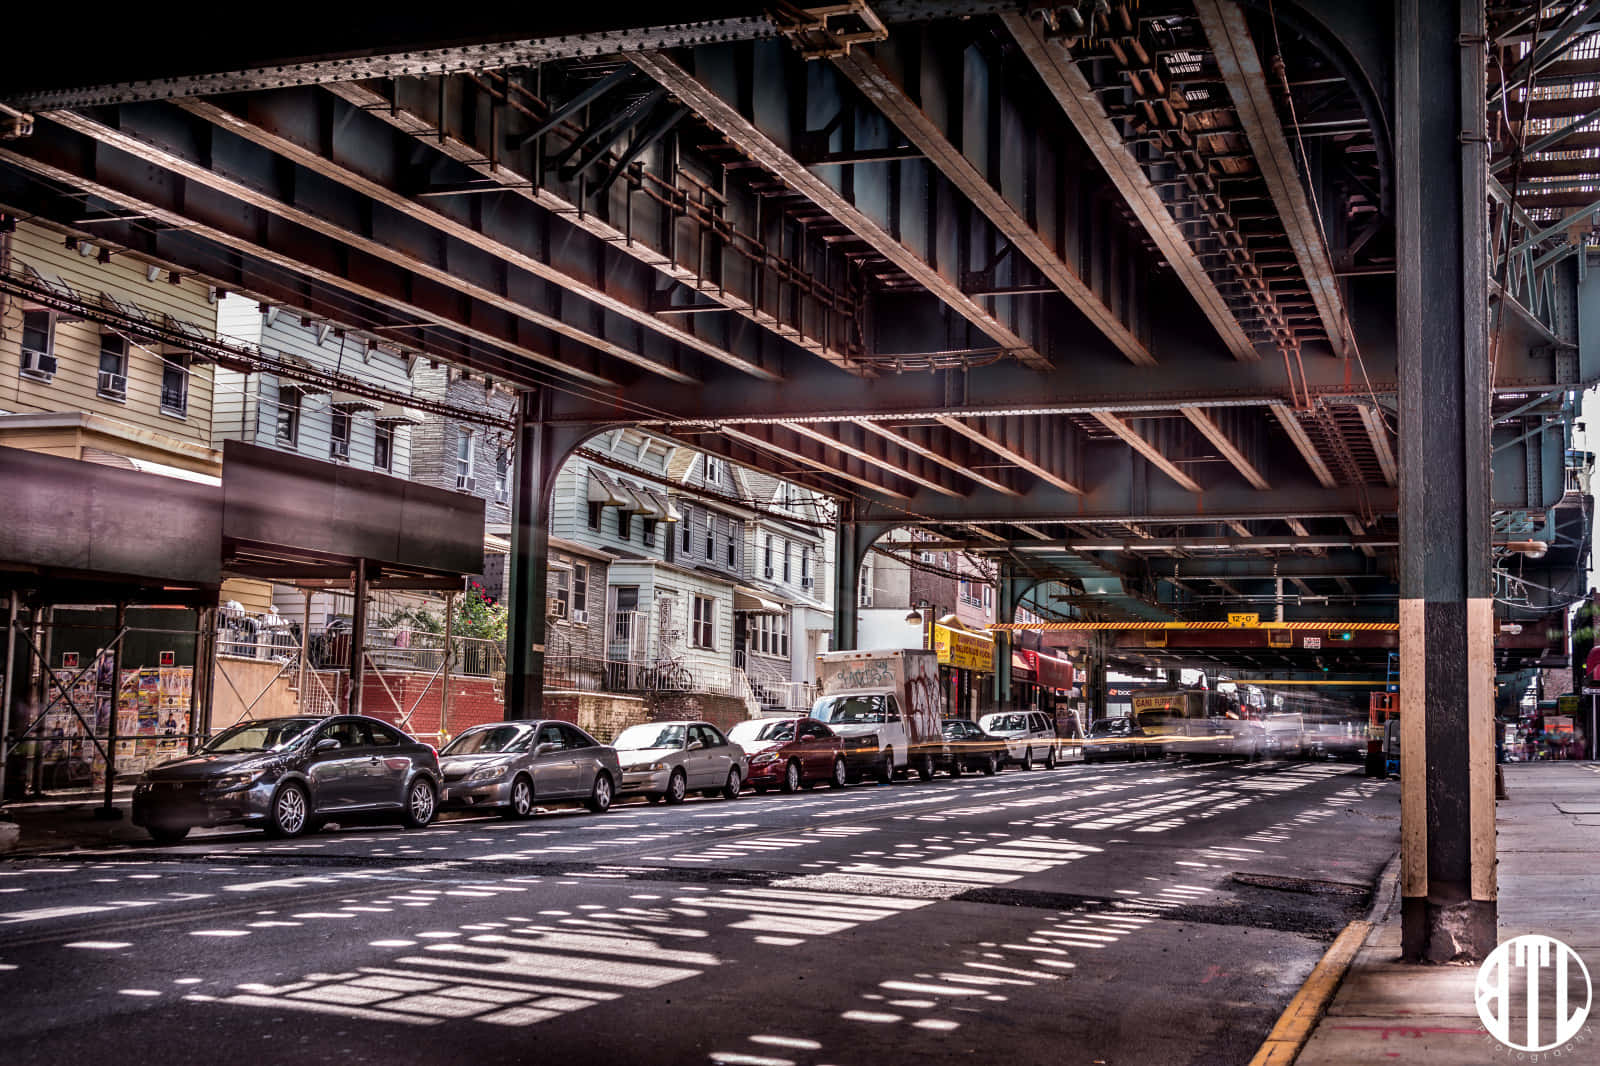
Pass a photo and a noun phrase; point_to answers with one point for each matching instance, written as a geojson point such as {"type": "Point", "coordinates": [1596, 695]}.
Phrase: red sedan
{"type": "Point", "coordinates": [790, 753]}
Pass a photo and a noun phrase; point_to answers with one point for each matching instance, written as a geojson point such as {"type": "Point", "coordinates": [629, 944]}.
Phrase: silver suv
{"type": "Point", "coordinates": [1029, 735]}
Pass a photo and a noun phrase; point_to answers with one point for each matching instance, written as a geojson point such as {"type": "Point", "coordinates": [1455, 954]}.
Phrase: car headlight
{"type": "Point", "coordinates": [234, 781]}
{"type": "Point", "coordinates": [764, 757]}
{"type": "Point", "coordinates": [650, 767]}
{"type": "Point", "coordinates": [487, 773]}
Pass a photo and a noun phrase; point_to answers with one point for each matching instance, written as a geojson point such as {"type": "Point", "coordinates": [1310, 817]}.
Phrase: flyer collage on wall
{"type": "Point", "coordinates": [152, 720]}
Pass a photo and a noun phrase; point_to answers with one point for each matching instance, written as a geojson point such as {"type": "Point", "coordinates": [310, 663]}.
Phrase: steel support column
{"type": "Point", "coordinates": [1446, 609]}
{"type": "Point", "coordinates": [1009, 592]}
{"type": "Point", "coordinates": [108, 810]}
{"type": "Point", "coordinates": [530, 551]}
{"type": "Point", "coordinates": [851, 539]}
{"type": "Point", "coordinates": [6, 685]}
{"type": "Point", "coordinates": [358, 636]}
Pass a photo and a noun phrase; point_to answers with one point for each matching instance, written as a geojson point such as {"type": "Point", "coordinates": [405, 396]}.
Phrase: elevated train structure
{"type": "Point", "coordinates": [1167, 308]}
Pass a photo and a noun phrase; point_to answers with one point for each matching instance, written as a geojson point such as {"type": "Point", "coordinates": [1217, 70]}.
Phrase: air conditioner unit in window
{"type": "Point", "coordinates": [466, 484]}
{"type": "Point", "coordinates": [808, 582]}
{"type": "Point", "coordinates": [767, 573]}
{"type": "Point", "coordinates": [113, 384]}
{"type": "Point", "coordinates": [340, 449]}
{"type": "Point", "coordinates": [580, 617]}
{"type": "Point", "coordinates": [503, 496]}
{"type": "Point", "coordinates": [555, 607]}
{"type": "Point", "coordinates": [38, 365]}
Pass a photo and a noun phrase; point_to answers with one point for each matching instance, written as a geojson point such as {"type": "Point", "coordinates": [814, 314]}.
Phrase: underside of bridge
{"type": "Point", "coordinates": [1170, 309]}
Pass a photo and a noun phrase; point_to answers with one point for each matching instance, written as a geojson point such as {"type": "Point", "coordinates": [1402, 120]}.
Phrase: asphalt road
{"type": "Point", "coordinates": [1120, 914]}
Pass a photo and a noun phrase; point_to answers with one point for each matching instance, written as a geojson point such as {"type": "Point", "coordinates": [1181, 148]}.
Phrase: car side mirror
{"type": "Point", "coordinates": [326, 744]}
{"type": "Point", "coordinates": [695, 745]}
{"type": "Point", "coordinates": [546, 748]}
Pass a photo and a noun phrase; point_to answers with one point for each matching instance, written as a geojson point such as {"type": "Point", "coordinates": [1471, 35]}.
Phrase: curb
{"type": "Point", "coordinates": [1299, 1019]}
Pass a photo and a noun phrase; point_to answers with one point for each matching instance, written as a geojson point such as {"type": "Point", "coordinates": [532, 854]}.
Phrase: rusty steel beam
{"type": "Point", "coordinates": [1378, 433]}
{"type": "Point", "coordinates": [1078, 99]}
{"type": "Point", "coordinates": [900, 437]}
{"type": "Point", "coordinates": [765, 441]}
{"type": "Point", "coordinates": [1242, 72]}
{"type": "Point", "coordinates": [191, 169]}
{"type": "Point", "coordinates": [1010, 454]}
{"type": "Point", "coordinates": [1152, 454]}
{"type": "Point", "coordinates": [166, 213]}
{"type": "Point", "coordinates": [763, 150]}
{"type": "Point", "coordinates": [1219, 438]}
{"type": "Point", "coordinates": [1302, 443]}
{"type": "Point", "coordinates": [477, 237]}
{"type": "Point", "coordinates": [803, 429]}
{"type": "Point", "coordinates": [863, 71]}
{"type": "Point", "coordinates": [505, 175]}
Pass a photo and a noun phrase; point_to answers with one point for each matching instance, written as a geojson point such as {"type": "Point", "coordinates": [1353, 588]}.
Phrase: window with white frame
{"type": "Point", "coordinates": [805, 564]}
{"type": "Point", "coordinates": [339, 436]}
{"type": "Point", "coordinates": [733, 544]}
{"type": "Point", "coordinates": [465, 444]}
{"type": "Point", "coordinates": [561, 589]}
{"type": "Point", "coordinates": [704, 633]}
{"type": "Point", "coordinates": [113, 367]}
{"type": "Point", "coordinates": [502, 472]}
{"type": "Point", "coordinates": [580, 589]}
{"type": "Point", "coordinates": [175, 385]}
{"type": "Point", "coordinates": [786, 578]}
{"type": "Point", "coordinates": [647, 530]}
{"type": "Point", "coordinates": [865, 587]}
{"type": "Point", "coordinates": [713, 470]}
{"type": "Point", "coordinates": [383, 446]}
{"type": "Point", "coordinates": [684, 532]}
{"type": "Point", "coordinates": [711, 537]}
{"type": "Point", "coordinates": [766, 556]}
{"type": "Point", "coordinates": [286, 421]}
{"type": "Point", "coordinates": [38, 334]}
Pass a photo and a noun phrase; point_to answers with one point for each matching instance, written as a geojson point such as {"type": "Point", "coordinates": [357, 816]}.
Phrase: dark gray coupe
{"type": "Point", "coordinates": [286, 775]}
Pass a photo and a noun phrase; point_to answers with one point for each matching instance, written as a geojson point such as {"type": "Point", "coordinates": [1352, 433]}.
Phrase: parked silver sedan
{"type": "Point", "coordinates": [665, 760]}
{"type": "Point", "coordinates": [517, 766]}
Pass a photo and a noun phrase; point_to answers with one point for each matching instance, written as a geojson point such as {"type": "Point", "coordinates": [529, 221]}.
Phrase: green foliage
{"type": "Point", "coordinates": [480, 615]}
{"type": "Point", "coordinates": [419, 619]}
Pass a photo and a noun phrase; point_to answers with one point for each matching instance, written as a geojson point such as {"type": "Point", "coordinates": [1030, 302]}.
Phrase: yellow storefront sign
{"type": "Point", "coordinates": [964, 651]}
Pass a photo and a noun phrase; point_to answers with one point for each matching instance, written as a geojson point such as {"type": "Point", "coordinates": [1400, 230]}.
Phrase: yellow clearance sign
{"type": "Point", "coordinates": [964, 651]}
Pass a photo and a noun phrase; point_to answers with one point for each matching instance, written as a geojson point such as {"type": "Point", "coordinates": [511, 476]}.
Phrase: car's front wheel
{"type": "Point", "coordinates": [291, 812]}
{"type": "Point", "coordinates": [1027, 758]}
{"type": "Point", "coordinates": [521, 805]}
{"type": "Point", "coordinates": [791, 777]}
{"type": "Point", "coordinates": [599, 800]}
{"type": "Point", "coordinates": [1050, 758]}
{"type": "Point", "coordinates": [925, 768]}
{"type": "Point", "coordinates": [677, 787]}
{"type": "Point", "coordinates": [840, 777]}
{"type": "Point", "coordinates": [421, 804]}
{"type": "Point", "coordinates": [991, 765]}
{"type": "Point", "coordinates": [731, 789]}
{"type": "Point", "coordinates": [886, 770]}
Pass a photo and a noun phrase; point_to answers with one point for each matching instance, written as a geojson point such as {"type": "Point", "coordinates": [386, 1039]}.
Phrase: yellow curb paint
{"type": "Point", "coordinates": [1294, 1026]}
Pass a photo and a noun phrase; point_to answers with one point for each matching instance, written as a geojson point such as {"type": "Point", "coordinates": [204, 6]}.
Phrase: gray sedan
{"type": "Point", "coordinates": [514, 766]}
{"type": "Point", "coordinates": [665, 760]}
{"type": "Point", "coordinates": [287, 774]}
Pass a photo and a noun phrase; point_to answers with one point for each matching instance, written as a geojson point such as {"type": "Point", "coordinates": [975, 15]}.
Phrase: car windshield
{"type": "Point", "coordinates": [500, 738]}
{"type": "Point", "coordinates": [955, 730]}
{"type": "Point", "coordinates": [779, 731]}
{"type": "Point", "coordinates": [260, 736]}
{"type": "Point", "coordinates": [636, 737]}
{"type": "Point", "coordinates": [1006, 722]}
{"type": "Point", "coordinates": [1102, 729]}
{"type": "Point", "coordinates": [848, 710]}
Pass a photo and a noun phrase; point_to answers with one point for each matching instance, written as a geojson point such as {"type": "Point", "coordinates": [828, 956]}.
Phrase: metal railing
{"type": "Point", "coordinates": [593, 674]}
{"type": "Point", "coordinates": [784, 695]}
{"type": "Point", "coordinates": [256, 636]}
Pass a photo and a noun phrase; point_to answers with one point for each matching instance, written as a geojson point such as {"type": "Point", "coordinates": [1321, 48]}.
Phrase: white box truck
{"type": "Point", "coordinates": [886, 705]}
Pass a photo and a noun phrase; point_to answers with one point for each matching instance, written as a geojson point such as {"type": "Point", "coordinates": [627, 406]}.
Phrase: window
{"type": "Point", "coordinates": [287, 422]}
{"type": "Point", "coordinates": [339, 436]}
{"type": "Point", "coordinates": [733, 546]}
{"type": "Point", "coordinates": [782, 621]}
{"type": "Point", "coordinates": [383, 736]}
{"type": "Point", "coordinates": [648, 531]}
{"type": "Point", "coordinates": [383, 446]}
{"type": "Point", "coordinates": [595, 510]}
{"type": "Point", "coordinates": [713, 470]}
{"type": "Point", "coordinates": [561, 589]}
{"type": "Point", "coordinates": [766, 556]}
{"type": "Point", "coordinates": [711, 537]}
{"type": "Point", "coordinates": [113, 366]}
{"type": "Point", "coordinates": [786, 577]}
{"type": "Point", "coordinates": [464, 452]}
{"type": "Point", "coordinates": [580, 587]}
{"type": "Point", "coordinates": [704, 634]}
{"type": "Point", "coordinates": [625, 524]}
{"type": "Point", "coordinates": [502, 464]}
{"type": "Point", "coordinates": [865, 586]}
{"type": "Point", "coordinates": [805, 564]}
{"type": "Point", "coordinates": [684, 532]}
{"type": "Point", "coordinates": [175, 385]}
{"type": "Point", "coordinates": [988, 595]}
{"type": "Point", "coordinates": [575, 738]}
{"type": "Point", "coordinates": [38, 329]}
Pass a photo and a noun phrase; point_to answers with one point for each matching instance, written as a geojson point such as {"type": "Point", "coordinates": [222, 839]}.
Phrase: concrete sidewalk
{"type": "Point", "coordinates": [1549, 874]}
{"type": "Point", "coordinates": [66, 823]}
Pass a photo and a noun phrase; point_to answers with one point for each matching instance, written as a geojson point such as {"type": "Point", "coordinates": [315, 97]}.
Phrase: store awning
{"type": "Point", "coordinates": [606, 492]}
{"type": "Point", "coordinates": [753, 602]}
{"type": "Point", "coordinates": [349, 402]}
{"type": "Point", "coordinates": [1021, 668]}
